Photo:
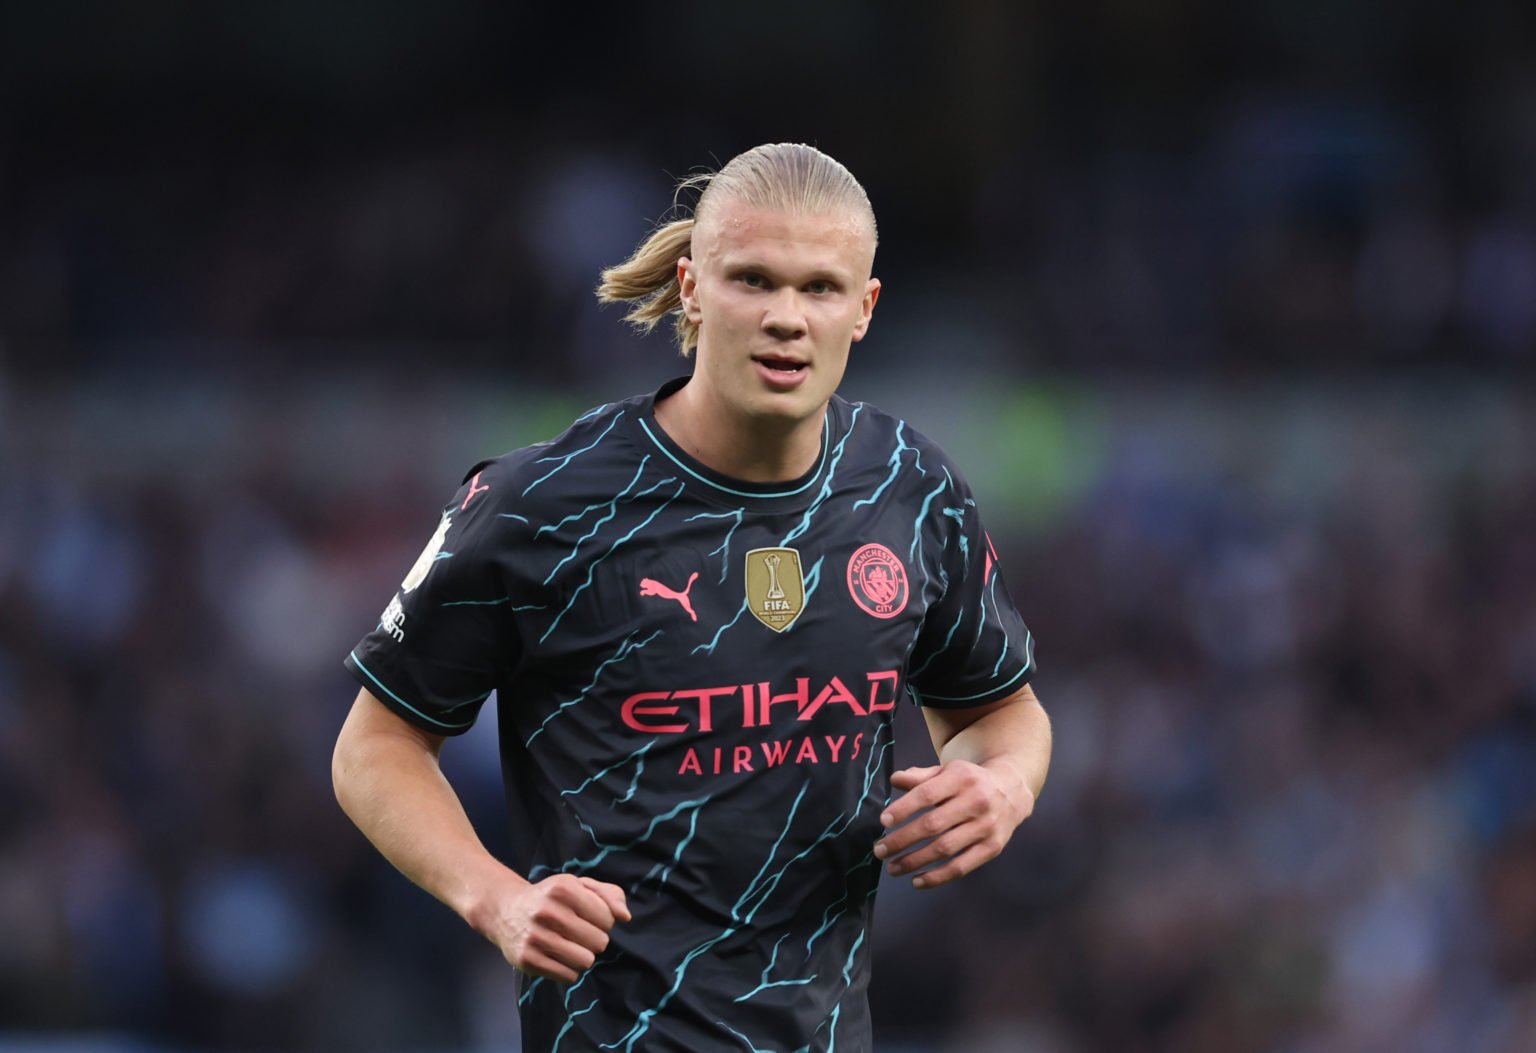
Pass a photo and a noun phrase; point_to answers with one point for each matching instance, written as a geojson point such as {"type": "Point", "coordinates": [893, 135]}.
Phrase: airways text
{"type": "Point", "coordinates": [703, 710]}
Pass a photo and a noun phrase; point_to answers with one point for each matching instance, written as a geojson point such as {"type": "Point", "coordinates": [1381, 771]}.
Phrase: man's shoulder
{"type": "Point", "coordinates": [594, 444]}
{"type": "Point", "coordinates": [887, 438]}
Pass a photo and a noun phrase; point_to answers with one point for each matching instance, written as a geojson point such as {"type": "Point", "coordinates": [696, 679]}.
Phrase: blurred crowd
{"type": "Point", "coordinates": [1180, 185]}
{"type": "Point", "coordinates": [1287, 635]}
{"type": "Point", "coordinates": [1236, 311]}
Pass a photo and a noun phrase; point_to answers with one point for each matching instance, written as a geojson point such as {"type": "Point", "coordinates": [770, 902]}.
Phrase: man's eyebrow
{"type": "Point", "coordinates": [752, 263]}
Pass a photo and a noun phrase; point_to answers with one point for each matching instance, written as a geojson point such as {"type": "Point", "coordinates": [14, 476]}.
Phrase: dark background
{"type": "Point", "coordinates": [1229, 310]}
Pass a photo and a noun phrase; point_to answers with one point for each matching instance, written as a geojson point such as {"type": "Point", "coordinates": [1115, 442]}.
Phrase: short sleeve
{"type": "Point", "coordinates": [447, 638]}
{"type": "Point", "coordinates": [973, 647]}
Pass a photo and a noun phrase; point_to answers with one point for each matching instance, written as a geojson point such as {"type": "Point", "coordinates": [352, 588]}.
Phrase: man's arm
{"type": "Point", "coordinates": [992, 765]}
{"type": "Point", "coordinates": [387, 779]}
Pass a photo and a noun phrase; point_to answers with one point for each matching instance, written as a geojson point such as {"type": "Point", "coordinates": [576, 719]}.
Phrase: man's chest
{"type": "Point", "coordinates": [764, 594]}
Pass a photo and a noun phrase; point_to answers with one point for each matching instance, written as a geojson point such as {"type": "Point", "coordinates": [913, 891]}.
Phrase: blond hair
{"type": "Point", "coordinates": [785, 177]}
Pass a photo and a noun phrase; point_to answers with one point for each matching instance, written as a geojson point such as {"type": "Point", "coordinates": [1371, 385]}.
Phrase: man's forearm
{"type": "Point", "coordinates": [1012, 739]}
{"type": "Point", "coordinates": [389, 784]}
{"type": "Point", "coordinates": [957, 815]}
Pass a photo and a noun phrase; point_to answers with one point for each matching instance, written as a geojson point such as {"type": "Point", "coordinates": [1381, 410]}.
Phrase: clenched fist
{"type": "Point", "coordinates": [553, 928]}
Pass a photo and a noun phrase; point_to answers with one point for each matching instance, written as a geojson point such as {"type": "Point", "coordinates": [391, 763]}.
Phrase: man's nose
{"type": "Point", "coordinates": [784, 318]}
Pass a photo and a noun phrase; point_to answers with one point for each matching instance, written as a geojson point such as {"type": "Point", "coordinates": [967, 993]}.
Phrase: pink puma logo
{"type": "Point", "coordinates": [652, 587]}
{"type": "Point", "coordinates": [474, 489]}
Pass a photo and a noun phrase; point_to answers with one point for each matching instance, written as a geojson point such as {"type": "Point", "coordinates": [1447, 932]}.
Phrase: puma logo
{"type": "Point", "coordinates": [474, 488]}
{"type": "Point", "coordinates": [652, 587]}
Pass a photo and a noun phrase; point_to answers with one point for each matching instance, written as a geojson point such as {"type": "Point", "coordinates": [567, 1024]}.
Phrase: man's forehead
{"type": "Point", "coordinates": [733, 226]}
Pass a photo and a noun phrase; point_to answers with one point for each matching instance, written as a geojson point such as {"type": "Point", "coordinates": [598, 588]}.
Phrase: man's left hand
{"type": "Point", "coordinates": [963, 811]}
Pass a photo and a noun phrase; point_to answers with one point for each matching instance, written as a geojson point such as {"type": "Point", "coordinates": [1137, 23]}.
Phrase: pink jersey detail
{"type": "Point", "coordinates": [652, 587]}
{"type": "Point", "coordinates": [877, 581]}
{"type": "Point", "coordinates": [474, 488]}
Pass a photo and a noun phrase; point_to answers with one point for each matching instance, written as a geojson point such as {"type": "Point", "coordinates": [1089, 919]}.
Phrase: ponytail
{"type": "Point", "coordinates": [648, 281]}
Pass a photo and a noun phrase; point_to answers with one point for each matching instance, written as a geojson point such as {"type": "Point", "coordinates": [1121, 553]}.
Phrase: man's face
{"type": "Point", "coordinates": [778, 299]}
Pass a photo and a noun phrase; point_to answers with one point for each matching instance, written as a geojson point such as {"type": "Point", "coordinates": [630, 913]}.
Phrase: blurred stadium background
{"type": "Point", "coordinates": [1230, 308]}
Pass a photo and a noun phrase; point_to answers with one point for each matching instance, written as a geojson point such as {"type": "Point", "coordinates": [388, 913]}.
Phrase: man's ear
{"type": "Point", "coordinates": [688, 289]}
{"type": "Point", "coordinates": [867, 308]}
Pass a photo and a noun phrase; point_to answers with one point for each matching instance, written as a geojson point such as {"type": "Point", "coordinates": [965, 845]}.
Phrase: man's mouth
{"type": "Point", "coordinates": [781, 364]}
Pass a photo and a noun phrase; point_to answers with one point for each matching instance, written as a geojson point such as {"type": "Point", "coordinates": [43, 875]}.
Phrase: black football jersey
{"type": "Point", "coordinates": [696, 679]}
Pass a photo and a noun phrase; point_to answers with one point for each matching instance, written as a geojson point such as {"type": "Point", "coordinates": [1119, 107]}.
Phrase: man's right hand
{"type": "Point", "coordinates": [555, 927]}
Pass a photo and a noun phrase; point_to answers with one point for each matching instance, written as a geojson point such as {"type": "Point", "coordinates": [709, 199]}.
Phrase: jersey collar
{"type": "Point", "coordinates": [791, 493]}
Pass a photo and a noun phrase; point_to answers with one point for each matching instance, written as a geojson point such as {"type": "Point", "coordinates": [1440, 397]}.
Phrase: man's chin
{"type": "Point", "coordinates": [787, 408]}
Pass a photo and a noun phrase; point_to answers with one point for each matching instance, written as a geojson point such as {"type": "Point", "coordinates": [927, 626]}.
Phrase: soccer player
{"type": "Point", "coordinates": [698, 610]}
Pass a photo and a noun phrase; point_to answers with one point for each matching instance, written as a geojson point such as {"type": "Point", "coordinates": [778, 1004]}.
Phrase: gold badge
{"type": "Point", "coordinates": [775, 586]}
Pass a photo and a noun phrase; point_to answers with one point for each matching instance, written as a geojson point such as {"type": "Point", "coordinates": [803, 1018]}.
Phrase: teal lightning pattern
{"type": "Point", "coordinates": [573, 527]}
{"type": "Point", "coordinates": [724, 548]}
{"type": "Point", "coordinates": [763, 884]}
{"type": "Point", "coordinates": [563, 462]}
{"type": "Point", "coordinates": [625, 650]}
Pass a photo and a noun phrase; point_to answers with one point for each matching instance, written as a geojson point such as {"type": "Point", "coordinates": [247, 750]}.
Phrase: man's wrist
{"type": "Point", "coordinates": [484, 897]}
{"type": "Point", "coordinates": [1013, 785]}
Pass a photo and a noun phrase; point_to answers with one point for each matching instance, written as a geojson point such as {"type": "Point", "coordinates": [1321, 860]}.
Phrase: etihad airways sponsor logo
{"type": "Point", "coordinates": [809, 749]}
{"type": "Point", "coordinates": [703, 709]}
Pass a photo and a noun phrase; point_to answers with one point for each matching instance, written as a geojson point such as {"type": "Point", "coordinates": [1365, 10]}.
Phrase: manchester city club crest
{"type": "Point", "coordinates": [775, 586]}
{"type": "Point", "coordinates": [878, 581]}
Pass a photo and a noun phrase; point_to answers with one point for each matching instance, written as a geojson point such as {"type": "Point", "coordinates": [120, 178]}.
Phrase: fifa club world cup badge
{"type": "Point", "coordinates": [775, 586]}
{"type": "Point", "coordinates": [878, 581]}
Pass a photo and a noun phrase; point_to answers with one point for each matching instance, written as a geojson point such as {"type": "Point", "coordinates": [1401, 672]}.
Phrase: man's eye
{"type": "Point", "coordinates": [819, 288]}
{"type": "Point", "coordinates": [752, 281]}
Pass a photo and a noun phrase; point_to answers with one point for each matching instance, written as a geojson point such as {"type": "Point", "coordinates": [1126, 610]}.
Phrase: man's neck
{"type": "Point", "coordinates": [754, 451]}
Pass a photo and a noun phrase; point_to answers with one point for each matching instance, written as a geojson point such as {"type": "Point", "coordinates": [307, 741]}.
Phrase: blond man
{"type": "Point", "coordinates": [698, 610]}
